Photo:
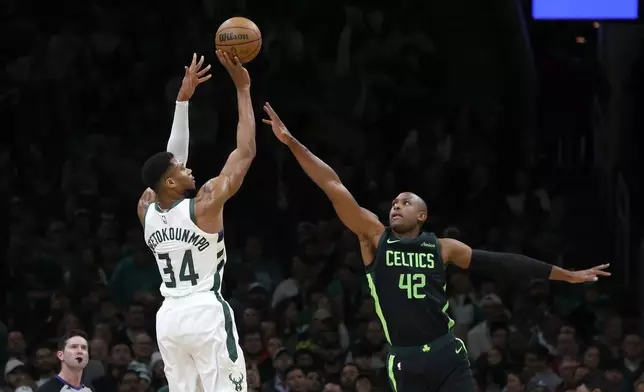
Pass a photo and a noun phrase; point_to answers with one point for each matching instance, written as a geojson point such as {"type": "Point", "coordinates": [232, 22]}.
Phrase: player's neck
{"type": "Point", "coordinates": [410, 234]}
{"type": "Point", "coordinates": [166, 202]}
{"type": "Point", "coordinates": [71, 376]}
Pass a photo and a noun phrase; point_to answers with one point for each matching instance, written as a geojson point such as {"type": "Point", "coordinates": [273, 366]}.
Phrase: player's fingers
{"type": "Point", "coordinates": [227, 61]}
{"type": "Point", "coordinates": [265, 121]}
{"type": "Point", "coordinates": [200, 63]}
{"type": "Point", "coordinates": [601, 267]}
{"type": "Point", "coordinates": [194, 60]}
{"type": "Point", "coordinates": [223, 59]}
{"type": "Point", "coordinates": [602, 273]}
{"type": "Point", "coordinates": [203, 71]}
{"type": "Point", "coordinates": [204, 79]}
{"type": "Point", "coordinates": [237, 62]}
{"type": "Point", "coordinates": [272, 112]}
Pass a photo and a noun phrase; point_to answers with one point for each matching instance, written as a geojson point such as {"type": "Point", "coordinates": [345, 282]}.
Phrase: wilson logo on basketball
{"type": "Point", "coordinates": [223, 37]}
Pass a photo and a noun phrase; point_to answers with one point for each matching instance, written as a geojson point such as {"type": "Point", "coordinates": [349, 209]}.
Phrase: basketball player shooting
{"type": "Point", "coordinates": [195, 326]}
{"type": "Point", "coordinates": [406, 274]}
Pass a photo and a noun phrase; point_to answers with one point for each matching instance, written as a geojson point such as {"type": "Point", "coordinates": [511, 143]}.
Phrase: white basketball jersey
{"type": "Point", "coordinates": [189, 259]}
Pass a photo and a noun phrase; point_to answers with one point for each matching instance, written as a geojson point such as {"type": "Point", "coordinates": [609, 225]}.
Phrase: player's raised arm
{"type": "Point", "coordinates": [179, 140]}
{"type": "Point", "coordinates": [232, 175]}
{"type": "Point", "coordinates": [465, 257]}
{"type": "Point", "coordinates": [362, 222]}
{"type": "Point", "coordinates": [180, 134]}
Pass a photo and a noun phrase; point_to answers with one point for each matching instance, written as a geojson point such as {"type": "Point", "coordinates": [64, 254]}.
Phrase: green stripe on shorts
{"type": "Point", "coordinates": [231, 345]}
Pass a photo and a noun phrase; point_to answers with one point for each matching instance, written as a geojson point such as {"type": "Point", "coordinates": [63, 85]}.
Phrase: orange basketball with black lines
{"type": "Point", "coordinates": [239, 37]}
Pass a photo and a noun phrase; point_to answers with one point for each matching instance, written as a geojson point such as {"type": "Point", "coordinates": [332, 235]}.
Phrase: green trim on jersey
{"type": "Point", "coordinates": [193, 217]}
{"type": "Point", "coordinates": [156, 206]}
{"type": "Point", "coordinates": [450, 322]}
{"type": "Point", "coordinates": [374, 294]}
{"type": "Point", "coordinates": [390, 372]}
{"type": "Point", "coordinates": [231, 345]}
{"type": "Point", "coordinates": [439, 252]}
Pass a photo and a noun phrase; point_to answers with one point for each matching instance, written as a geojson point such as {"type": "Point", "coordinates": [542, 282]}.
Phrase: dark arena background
{"type": "Point", "coordinates": [522, 132]}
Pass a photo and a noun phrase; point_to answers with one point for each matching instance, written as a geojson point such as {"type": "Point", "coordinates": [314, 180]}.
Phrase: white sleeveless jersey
{"type": "Point", "coordinates": [189, 259]}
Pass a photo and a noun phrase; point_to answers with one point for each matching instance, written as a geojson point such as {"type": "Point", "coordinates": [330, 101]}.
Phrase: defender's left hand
{"type": "Point", "coordinates": [589, 275]}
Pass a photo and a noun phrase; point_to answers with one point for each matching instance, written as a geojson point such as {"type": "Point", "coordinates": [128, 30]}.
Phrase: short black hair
{"type": "Point", "coordinates": [62, 342]}
{"type": "Point", "coordinates": [154, 169]}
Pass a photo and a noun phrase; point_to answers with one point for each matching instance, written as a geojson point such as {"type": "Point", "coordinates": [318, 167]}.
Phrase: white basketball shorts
{"type": "Point", "coordinates": [199, 345]}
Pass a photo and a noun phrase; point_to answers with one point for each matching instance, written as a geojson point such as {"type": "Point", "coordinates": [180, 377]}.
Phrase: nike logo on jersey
{"type": "Point", "coordinates": [390, 241]}
{"type": "Point", "coordinates": [458, 350]}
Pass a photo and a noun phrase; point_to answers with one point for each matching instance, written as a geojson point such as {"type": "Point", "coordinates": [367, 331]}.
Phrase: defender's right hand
{"type": "Point", "coordinates": [236, 70]}
{"type": "Point", "coordinates": [279, 129]}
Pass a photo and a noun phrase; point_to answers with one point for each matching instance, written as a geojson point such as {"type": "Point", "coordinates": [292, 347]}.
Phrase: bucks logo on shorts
{"type": "Point", "coordinates": [237, 382]}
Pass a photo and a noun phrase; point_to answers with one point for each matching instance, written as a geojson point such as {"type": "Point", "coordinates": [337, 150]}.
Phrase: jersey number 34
{"type": "Point", "coordinates": [186, 272]}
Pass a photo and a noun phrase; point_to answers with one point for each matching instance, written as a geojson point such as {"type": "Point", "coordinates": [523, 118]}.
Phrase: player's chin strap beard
{"type": "Point", "coordinates": [190, 193]}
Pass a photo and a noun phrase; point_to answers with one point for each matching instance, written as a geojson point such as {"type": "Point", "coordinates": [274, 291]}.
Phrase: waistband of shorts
{"type": "Point", "coordinates": [435, 345]}
{"type": "Point", "coordinates": [208, 295]}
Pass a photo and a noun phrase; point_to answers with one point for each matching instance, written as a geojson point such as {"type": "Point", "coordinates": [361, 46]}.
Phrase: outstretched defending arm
{"type": "Point", "coordinates": [465, 257]}
{"type": "Point", "coordinates": [362, 222]}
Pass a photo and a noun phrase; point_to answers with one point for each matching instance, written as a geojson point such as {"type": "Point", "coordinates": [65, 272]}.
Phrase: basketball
{"type": "Point", "coordinates": [239, 37]}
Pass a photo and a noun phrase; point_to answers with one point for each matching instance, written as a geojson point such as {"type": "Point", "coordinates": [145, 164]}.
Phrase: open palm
{"type": "Point", "coordinates": [279, 129]}
{"type": "Point", "coordinates": [194, 76]}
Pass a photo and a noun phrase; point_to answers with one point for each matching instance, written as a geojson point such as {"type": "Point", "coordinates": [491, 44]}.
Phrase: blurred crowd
{"type": "Point", "coordinates": [95, 90]}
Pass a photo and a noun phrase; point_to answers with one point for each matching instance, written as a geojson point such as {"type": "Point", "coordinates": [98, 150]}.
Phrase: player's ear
{"type": "Point", "coordinates": [59, 355]}
{"type": "Point", "coordinates": [170, 182]}
{"type": "Point", "coordinates": [422, 216]}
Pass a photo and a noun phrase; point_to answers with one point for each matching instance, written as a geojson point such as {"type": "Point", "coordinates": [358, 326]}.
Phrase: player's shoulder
{"type": "Point", "coordinates": [430, 235]}
{"type": "Point", "coordinates": [211, 188]}
{"type": "Point", "coordinates": [386, 233]}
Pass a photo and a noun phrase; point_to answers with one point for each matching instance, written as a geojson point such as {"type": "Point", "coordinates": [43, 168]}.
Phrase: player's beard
{"type": "Point", "coordinates": [190, 193]}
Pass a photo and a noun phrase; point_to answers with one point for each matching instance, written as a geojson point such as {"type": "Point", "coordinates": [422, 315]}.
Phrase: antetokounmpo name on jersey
{"type": "Point", "coordinates": [177, 234]}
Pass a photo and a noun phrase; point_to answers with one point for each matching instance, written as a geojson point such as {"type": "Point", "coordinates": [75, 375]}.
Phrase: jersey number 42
{"type": "Point", "coordinates": [186, 272]}
{"type": "Point", "coordinates": [412, 284]}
